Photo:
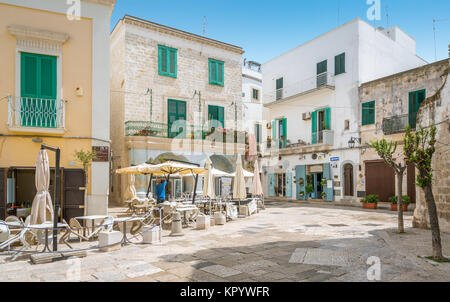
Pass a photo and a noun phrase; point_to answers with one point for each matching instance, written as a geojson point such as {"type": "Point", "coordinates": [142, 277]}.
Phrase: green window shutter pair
{"type": "Point", "coordinates": [216, 113]}
{"type": "Point", "coordinates": [284, 132]}
{"type": "Point", "coordinates": [176, 111]}
{"type": "Point", "coordinates": [38, 80]}
{"type": "Point", "coordinates": [38, 76]}
{"type": "Point", "coordinates": [216, 72]}
{"type": "Point", "coordinates": [322, 67]}
{"type": "Point", "coordinates": [339, 64]}
{"type": "Point", "coordinates": [314, 123]}
{"type": "Point", "coordinates": [368, 113]}
{"type": "Point", "coordinates": [255, 94]}
{"type": "Point", "coordinates": [258, 133]}
{"type": "Point", "coordinates": [167, 61]}
{"type": "Point", "coordinates": [279, 83]}
{"type": "Point", "coordinates": [415, 99]}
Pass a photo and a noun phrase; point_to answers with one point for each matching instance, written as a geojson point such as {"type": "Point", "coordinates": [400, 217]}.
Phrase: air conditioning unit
{"type": "Point", "coordinates": [306, 116]}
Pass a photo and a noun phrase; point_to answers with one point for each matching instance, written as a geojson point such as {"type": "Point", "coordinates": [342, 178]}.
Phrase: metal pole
{"type": "Point", "coordinates": [195, 189]}
{"type": "Point", "coordinates": [56, 200]}
{"type": "Point", "coordinates": [149, 184]}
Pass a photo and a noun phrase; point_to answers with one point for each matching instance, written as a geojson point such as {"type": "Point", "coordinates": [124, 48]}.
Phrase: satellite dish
{"type": "Point", "coordinates": [314, 156]}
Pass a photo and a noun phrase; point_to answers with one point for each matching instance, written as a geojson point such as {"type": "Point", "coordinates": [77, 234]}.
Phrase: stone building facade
{"type": "Point", "coordinates": [141, 93]}
{"type": "Point", "coordinates": [387, 106]}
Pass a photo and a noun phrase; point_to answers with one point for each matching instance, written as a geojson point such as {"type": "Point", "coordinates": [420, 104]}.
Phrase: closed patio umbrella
{"type": "Point", "coordinates": [239, 181]}
{"type": "Point", "coordinates": [130, 192]}
{"type": "Point", "coordinates": [256, 189]}
{"type": "Point", "coordinates": [42, 208]}
{"type": "Point", "coordinates": [208, 185]}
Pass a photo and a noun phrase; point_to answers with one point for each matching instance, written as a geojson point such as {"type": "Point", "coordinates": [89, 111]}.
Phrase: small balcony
{"type": "Point", "coordinates": [397, 124]}
{"type": "Point", "coordinates": [320, 140]}
{"type": "Point", "coordinates": [26, 114]}
{"type": "Point", "coordinates": [322, 81]}
{"type": "Point", "coordinates": [184, 131]}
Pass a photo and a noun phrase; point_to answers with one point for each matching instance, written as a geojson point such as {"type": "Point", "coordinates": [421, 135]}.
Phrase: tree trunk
{"type": "Point", "coordinates": [434, 223]}
{"type": "Point", "coordinates": [401, 228]}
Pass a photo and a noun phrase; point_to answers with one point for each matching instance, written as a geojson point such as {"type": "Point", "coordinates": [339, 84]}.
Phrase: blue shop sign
{"type": "Point", "coordinates": [334, 158]}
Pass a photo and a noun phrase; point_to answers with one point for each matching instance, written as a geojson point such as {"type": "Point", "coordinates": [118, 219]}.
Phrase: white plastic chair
{"type": "Point", "coordinates": [19, 237]}
{"type": "Point", "coordinates": [4, 231]}
{"type": "Point", "coordinates": [107, 225]}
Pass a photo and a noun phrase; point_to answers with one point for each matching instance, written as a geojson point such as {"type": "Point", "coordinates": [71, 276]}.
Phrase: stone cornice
{"type": "Point", "coordinates": [104, 2]}
{"type": "Point", "coordinates": [21, 31]}
{"type": "Point", "coordinates": [179, 33]}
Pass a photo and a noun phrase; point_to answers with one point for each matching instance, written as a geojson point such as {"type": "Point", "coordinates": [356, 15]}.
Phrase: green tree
{"type": "Point", "coordinates": [85, 158]}
{"type": "Point", "coordinates": [387, 151]}
{"type": "Point", "coordinates": [419, 149]}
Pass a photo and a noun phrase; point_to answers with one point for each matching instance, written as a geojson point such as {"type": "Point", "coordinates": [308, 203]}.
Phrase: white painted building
{"type": "Point", "coordinates": [312, 95]}
{"type": "Point", "coordinates": [252, 100]}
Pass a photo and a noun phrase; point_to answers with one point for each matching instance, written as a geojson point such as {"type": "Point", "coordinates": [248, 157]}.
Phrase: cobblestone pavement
{"type": "Point", "coordinates": [285, 242]}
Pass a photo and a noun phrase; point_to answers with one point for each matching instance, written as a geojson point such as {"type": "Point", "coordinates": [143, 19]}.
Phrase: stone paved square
{"type": "Point", "coordinates": [281, 254]}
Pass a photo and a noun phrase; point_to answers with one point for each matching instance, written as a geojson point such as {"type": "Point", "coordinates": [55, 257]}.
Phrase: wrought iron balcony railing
{"type": "Point", "coordinates": [182, 130]}
{"type": "Point", "coordinates": [27, 112]}
{"type": "Point", "coordinates": [397, 124]}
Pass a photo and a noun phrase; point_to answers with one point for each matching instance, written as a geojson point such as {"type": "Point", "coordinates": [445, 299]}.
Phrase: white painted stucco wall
{"type": "Point", "coordinates": [369, 54]}
{"type": "Point", "coordinates": [251, 79]}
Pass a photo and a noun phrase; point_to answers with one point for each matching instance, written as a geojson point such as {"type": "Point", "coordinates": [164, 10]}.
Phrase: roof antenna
{"type": "Point", "coordinates": [205, 22]}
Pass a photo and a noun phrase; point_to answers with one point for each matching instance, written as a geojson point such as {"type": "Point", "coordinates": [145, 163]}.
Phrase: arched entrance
{"type": "Point", "coordinates": [348, 180]}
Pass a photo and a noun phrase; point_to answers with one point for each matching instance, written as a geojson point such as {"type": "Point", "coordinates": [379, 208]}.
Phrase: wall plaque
{"type": "Point", "coordinates": [102, 154]}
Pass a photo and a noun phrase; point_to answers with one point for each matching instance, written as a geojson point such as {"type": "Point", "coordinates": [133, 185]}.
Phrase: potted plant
{"type": "Point", "coordinates": [302, 194]}
{"type": "Point", "coordinates": [323, 182]}
{"type": "Point", "coordinates": [370, 201]}
{"type": "Point", "coordinates": [324, 195]}
{"type": "Point", "coordinates": [301, 182]}
{"type": "Point", "coordinates": [309, 189]}
{"type": "Point", "coordinates": [405, 203]}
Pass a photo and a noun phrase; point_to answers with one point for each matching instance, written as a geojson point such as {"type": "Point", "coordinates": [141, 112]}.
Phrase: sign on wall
{"type": "Point", "coordinates": [334, 158]}
{"type": "Point", "coordinates": [102, 154]}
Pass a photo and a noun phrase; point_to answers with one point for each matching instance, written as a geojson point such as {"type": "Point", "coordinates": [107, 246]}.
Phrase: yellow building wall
{"type": "Point", "coordinates": [76, 71]}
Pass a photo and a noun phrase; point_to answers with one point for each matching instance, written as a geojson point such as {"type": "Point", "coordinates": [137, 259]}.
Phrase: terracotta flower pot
{"type": "Point", "coordinates": [371, 206]}
{"type": "Point", "coordinates": [395, 208]}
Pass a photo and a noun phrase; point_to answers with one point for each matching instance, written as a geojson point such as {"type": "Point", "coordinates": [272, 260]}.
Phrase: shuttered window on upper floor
{"type": "Point", "coordinates": [216, 72]}
{"type": "Point", "coordinates": [167, 61]}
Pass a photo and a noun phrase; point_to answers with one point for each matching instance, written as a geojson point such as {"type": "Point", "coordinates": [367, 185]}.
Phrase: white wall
{"type": "Point", "coordinates": [251, 79]}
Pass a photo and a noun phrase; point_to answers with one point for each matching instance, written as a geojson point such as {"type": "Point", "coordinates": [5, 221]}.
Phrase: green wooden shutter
{"type": "Point", "coordinates": [327, 175]}
{"type": "Point", "coordinates": [220, 71]}
{"type": "Point", "coordinates": [322, 67]}
{"type": "Point", "coordinates": [274, 130]}
{"type": "Point", "coordinates": [173, 62]}
{"type": "Point", "coordinates": [339, 64]}
{"type": "Point", "coordinates": [162, 59]}
{"type": "Point", "coordinates": [289, 184]}
{"type": "Point", "coordinates": [279, 83]}
{"type": "Point", "coordinates": [221, 116]}
{"type": "Point", "coordinates": [300, 173]}
{"type": "Point", "coordinates": [29, 75]}
{"type": "Point", "coordinates": [284, 133]}
{"type": "Point", "coordinates": [327, 119]}
{"type": "Point", "coordinates": [314, 127]}
{"type": "Point", "coordinates": [271, 180]}
{"type": "Point", "coordinates": [167, 61]}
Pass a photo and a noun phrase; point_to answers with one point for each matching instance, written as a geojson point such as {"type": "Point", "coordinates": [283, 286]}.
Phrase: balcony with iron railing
{"type": "Point", "coordinates": [319, 140]}
{"type": "Point", "coordinates": [27, 114]}
{"type": "Point", "coordinates": [322, 81]}
{"type": "Point", "coordinates": [183, 131]}
{"type": "Point", "coordinates": [397, 124]}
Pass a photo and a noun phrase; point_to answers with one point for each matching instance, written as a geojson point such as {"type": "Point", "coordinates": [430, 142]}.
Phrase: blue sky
{"type": "Point", "coordinates": [266, 28]}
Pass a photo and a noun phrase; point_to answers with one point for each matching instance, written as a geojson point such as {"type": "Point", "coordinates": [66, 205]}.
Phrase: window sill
{"type": "Point", "coordinates": [37, 130]}
{"type": "Point", "coordinates": [216, 84]}
{"type": "Point", "coordinates": [340, 73]}
{"type": "Point", "coordinates": [168, 75]}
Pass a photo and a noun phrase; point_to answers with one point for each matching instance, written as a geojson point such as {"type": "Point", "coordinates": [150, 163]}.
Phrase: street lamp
{"type": "Point", "coordinates": [352, 141]}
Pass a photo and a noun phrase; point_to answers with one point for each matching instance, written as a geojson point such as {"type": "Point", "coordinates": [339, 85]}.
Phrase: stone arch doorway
{"type": "Point", "coordinates": [348, 180]}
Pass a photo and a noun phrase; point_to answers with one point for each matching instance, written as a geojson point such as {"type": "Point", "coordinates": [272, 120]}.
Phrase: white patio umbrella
{"type": "Point", "coordinates": [130, 192]}
{"type": "Point", "coordinates": [42, 208]}
{"type": "Point", "coordinates": [256, 189]}
{"type": "Point", "coordinates": [239, 181]}
{"type": "Point", "coordinates": [246, 173]}
{"type": "Point", "coordinates": [208, 184]}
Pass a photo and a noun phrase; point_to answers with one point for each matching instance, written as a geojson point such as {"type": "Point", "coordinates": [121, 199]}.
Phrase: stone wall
{"type": "Point", "coordinates": [391, 95]}
{"type": "Point", "coordinates": [435, 111]}
{"type": "Point", "coordinates": [134, 61]}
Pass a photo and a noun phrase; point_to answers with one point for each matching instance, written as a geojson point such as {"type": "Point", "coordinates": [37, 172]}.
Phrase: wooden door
{"type": "Point", "coordinates": [411, 180]}
{"type": "Point", "coordinates": [73, 196]}
{"type": "Point", "coordinates": [348, 180]}
{"type": "Point", "coordinates": [2, 193]}
{"type": "Point", "coordinates": [380, 180]}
